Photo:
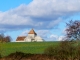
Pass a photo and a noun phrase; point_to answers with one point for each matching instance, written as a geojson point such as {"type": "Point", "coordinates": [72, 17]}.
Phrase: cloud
{"type": "Point", "coordinates": [43, 33]}
{"type": "Point", "coordinates": [61, 38]}
{"type": "Point", "coordinates": [39, 14]}
{"type": "Point", "coordinates": [24, 33]}
{"type": "Point", "coordinates": [53, 37]}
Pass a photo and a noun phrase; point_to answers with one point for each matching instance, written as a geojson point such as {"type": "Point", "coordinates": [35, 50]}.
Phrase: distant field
{"type": "Point", "coordinates": [26, 47]}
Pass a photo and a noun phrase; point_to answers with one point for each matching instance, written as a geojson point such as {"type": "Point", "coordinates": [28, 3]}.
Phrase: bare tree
{"type": "Point", "coordinates": [73, 30]}
{"type": "Point", "coordinates": [1, 37]}
{"type": "Point", "coordinates": [7, 39]}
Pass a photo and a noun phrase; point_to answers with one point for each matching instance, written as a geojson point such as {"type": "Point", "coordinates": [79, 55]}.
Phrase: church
{"type": "Point", "coordinates": [31, 37]}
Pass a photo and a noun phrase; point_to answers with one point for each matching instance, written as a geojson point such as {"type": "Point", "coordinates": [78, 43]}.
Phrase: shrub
{"type": "Point", "coordinates": [65, 50]}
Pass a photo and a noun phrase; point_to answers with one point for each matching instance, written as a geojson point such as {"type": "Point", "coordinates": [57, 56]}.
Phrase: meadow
{"type": "Point", "coordinates": [26, 47]}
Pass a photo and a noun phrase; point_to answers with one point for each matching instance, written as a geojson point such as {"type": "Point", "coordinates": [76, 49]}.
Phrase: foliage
{"type": "Point", "coordinates": [65, 50]}
{"type": "Point", "coordinates": [68, 48]}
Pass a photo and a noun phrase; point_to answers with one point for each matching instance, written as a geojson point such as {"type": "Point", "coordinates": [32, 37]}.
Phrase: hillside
{"type": "Point", "coordinates": [26, 47]}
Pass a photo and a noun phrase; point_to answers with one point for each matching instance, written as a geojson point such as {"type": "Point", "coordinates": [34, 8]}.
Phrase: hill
{"type": "Point", "coordinates": [26, 47]}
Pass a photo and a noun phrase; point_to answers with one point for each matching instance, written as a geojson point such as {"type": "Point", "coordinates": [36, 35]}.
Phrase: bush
{"type": "Point", "coordinates": [65, 50]}
{"type": "Point", "coordinates": [51, 51]}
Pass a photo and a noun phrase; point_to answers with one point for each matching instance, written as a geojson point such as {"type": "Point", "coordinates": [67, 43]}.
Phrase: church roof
{"type": "Point", "coordinates": [32, 32]}
{"type": "Point", "coordinates": [20, 38]}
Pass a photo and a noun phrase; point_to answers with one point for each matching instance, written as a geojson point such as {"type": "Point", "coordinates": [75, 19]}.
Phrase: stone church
{"type": "Point", "coordinates": [31, 37]}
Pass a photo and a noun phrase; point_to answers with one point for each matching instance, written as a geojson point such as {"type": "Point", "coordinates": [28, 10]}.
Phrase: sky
{"type": "Point", "coordinates": [47, 17]}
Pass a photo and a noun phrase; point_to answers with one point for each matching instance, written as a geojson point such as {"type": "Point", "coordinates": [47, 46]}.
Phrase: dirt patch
{"type": "Point", "coordinates": [24, 56]}
{"type": "Point", "coordinates": [28, 56]}
{"type": "Point", "coordinates": [32, 57]}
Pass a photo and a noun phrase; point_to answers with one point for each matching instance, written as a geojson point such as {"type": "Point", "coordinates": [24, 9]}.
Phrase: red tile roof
{"type": "Point", "coordinates": [20, 38]}
{"type": "Point", "coordinates": [32, 32]}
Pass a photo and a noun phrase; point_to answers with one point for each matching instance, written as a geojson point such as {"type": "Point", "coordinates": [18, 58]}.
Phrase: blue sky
{"type": "Point", "coordinates": [11, 4]}
{"type": "Point", "coordinates": [47, 17]}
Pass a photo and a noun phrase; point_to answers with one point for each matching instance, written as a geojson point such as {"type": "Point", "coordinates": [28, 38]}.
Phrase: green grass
{"type": "Point", "coordinates": [26, 47]}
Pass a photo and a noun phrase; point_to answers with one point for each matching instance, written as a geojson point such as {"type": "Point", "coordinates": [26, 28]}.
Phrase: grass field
{"type": "Point", "coordinates": [26, 47]}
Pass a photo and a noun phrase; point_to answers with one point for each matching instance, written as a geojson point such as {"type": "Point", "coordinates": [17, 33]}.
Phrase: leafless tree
{"type": "Point", "coordinates": [7, 39]}
{"type": "Point", "coordinates": [73, 30]}
{"type": "Point", "coordinates": [1, 37]}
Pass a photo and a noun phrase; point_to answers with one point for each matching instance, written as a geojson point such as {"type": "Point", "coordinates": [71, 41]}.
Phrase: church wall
{"type": "Point", "coordinates": [39, 40]}
{"type": "Point", "coordinates": [20, 41]}
{"type": "Point", "coordinates": [27, 39]}
{"type": "Point", "coordinates": [31, 35]}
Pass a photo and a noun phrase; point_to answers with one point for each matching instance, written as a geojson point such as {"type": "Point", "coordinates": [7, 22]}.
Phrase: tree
{"type": "Point", "coordinates": [7, 39]}
{"type": "Point", "coordinates": [67, 49]}
{"type": "Point", "coordinates": [73, 30]}
{"type": "Point", "coordinates": [64, 51]}
{"type": "Point", "coordinates": [1, 37]}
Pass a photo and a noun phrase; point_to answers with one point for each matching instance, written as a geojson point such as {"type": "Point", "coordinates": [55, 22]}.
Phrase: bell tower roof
{"type": "Point", "coordinates": [32, 32]}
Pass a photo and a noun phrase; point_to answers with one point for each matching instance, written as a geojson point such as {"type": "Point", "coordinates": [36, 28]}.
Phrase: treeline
{"type": "Point", "coordinates": [4, 38]}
